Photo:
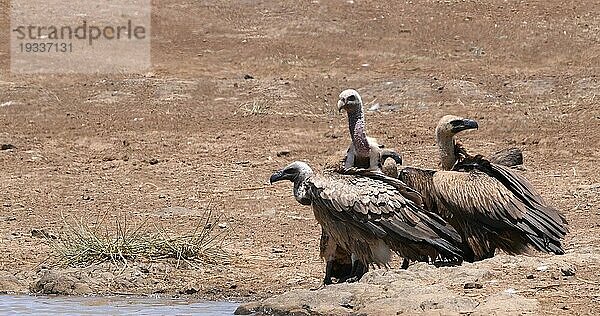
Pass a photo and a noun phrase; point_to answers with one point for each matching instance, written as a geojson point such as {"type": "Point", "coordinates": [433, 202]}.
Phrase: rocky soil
{"type": "Point", "coordinates": [241, 88]}
{"type": "Point", "coordinates": [473, 289]}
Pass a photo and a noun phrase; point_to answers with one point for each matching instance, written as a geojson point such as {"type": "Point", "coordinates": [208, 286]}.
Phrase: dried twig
{"type": "Point", "coordinates": [235, 190]}
{"type": "Point", "coordinates": [588, 281]}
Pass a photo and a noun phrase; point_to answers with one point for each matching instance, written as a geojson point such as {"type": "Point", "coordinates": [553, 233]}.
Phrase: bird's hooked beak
{"type": "Point", "coordinates": [463, 124]}
{"type": "Point", "coordinates": [341, 104]}
{"type": "Point", "coordinates": [280, 175]}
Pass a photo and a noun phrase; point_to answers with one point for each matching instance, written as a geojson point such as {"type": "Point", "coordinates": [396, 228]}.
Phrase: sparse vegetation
{"type": "Point", "coordinates": [255, 107]}
{"type": "Point", "coordinates": [83, 244]}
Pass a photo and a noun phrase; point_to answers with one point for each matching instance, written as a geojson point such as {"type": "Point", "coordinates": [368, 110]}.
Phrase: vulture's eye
{"type": "Point", "coordinates": [351, 98]}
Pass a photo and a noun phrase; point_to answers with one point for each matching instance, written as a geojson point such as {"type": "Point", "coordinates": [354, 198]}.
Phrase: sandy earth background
{"type": "Point", "coordinates": [193, 133]}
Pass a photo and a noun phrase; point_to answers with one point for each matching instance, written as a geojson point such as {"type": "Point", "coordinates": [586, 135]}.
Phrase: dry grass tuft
{"type": "Point", "coordinates": [256, 107]}
{"type": "Point", "coordinates": [83, 244]}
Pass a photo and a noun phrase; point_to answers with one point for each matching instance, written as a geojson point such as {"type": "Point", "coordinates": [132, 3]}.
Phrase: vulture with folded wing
{"type": "Point", "coordinates": [490, 205]}
{"type": "Point", "coordinates": [369, 215]}
{"type": "Point", "coordinates": [363, 152]}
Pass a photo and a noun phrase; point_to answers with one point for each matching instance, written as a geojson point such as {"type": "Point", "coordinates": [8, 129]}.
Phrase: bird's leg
{"type": "Point", "coordinates": [328, 268]}
{"type": "Point", "coordinates": [358, 270]}
{"type": "Point", "coordinates": [405, 263]}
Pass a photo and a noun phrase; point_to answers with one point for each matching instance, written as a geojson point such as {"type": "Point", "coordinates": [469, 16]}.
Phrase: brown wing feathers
{"type": "Point", "coordinates": [374, 203]}
{"type": "Point", "coordinates": [491, 206]}
{"type": "Point", "coordinates": [541, 217]}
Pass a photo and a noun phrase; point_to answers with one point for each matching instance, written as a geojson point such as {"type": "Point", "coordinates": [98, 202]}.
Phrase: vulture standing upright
{"type": "Point", "coordinates": [364, 152]}
{"type": "Point", "coordinates": [369, 215]}
{"type": "Point", "coordinates": [490, 205]}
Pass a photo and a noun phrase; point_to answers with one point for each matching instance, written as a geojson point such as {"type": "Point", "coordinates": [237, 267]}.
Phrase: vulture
{"type": "Point", "coordinates": [364, 152]}
{"type": "Point", "coordinates": [370, 215]}
{"type": "Point", "coordinates": [491, 206]}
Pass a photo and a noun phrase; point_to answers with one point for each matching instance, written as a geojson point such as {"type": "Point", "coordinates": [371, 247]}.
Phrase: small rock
{"type": "Point", "coordinates": [283, 153]}
{"type": "Point", "coordinates": [375, 107]}
{"type": "Point", "coordinates": [429, 305]}
{"type": "Point", "coordinates": [542, 268]}
{"type": "Point", "coordinates": [245, 309]}
{"type": "Point", "coordinates": [7, 103]}
{"type": "Point", "coordinates": [153, 161]}
{"type": "Point", "coordinates": [39, 233]}
{"type": "Point", "coordinates": [530, 276]}
{"type": "Point", "coordinates": [222, 225]}
{"type": "Point", "coordinates": [567, 271]}
{"type": "Point", "coordinates": [247, 76]}
{"type": "Point", "coordinates": [86, 198]}
{"type": "Point", "coordinates": [473, 285]}
{"type": "Point", "coordinates": [277, 250]}
{"type": "Point", "coordinates": [7, 204]}
{"type": "Point", "coordinates": [53, 282]}
{"type": "Point", "coordinates": [189, 291]}
{"type": "Point", "coordinates": [510, 291]}
{"type": "Point", "coordinates": [11, 218]}
{"type": "Point", "coordinates": [8, 146]}
{"type": "Point", "coordinates": [80, 288]}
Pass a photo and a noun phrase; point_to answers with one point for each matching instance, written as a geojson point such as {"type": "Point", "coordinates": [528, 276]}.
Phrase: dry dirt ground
{"type": "Point", "coordinates": [528, 72]}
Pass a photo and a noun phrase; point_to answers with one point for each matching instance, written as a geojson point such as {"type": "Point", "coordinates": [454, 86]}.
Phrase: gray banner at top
{"type": "Point", "coordinates": [81, 36]}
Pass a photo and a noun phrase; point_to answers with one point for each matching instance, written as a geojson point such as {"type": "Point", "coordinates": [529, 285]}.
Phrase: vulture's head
{"type": "Point", "coordinates": [389, 167]}
{"type": "Point", "coordinates": [297, 171]}
{"type": "Point", "coordinates": [392, 154]}
{"type": "Point", "coordinates": [350, 101]}
{"type": "Point", "coordinates": [450, 125]}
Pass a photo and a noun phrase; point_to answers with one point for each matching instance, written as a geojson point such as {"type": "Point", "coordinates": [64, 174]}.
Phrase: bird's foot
{"type": "Point", "coordinates": [448, 263]}
{"type": "Point", "coordinates": [353, 279]}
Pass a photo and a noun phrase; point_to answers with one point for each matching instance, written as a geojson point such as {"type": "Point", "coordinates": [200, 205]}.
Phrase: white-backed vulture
{"type": "Point", "coordinates": [369, 215]}
{"type": "Point", "coordinates": [510, 157]}
{"type": "Point", "coordinates": [363, 152]}
{"type": "Point", "coordinates": [490, 205]}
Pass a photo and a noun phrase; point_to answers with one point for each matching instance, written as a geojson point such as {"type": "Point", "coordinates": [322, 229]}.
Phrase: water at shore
{"type": "Point", "coordinates": [111, 305]}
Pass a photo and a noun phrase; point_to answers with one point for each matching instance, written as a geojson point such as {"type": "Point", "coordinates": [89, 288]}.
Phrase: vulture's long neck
{"type": "Point", "coordinates": [301, 190]}
{"type": "Point", "coordinates": [447, 154]}
{"type": "Point", "coordinates": [356, 123]}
